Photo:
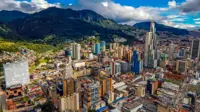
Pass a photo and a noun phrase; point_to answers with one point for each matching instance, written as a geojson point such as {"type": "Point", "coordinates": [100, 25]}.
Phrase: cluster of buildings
{"type": "Point", "coordinates": [157, 76]}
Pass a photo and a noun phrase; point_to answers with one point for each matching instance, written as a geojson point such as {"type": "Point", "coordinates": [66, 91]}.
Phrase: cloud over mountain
{"type": "Point", "coordinates": [122, 13]}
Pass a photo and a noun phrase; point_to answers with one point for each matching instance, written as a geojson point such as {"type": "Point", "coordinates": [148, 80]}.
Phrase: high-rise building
{"type": "Point", "coordinates": [68, 65]}
{"type": "Point", "coordinates": [16, 73]}
{"type": "Point", "coordinates": [171, 50]}
{"type": "Point", "coordinates": [93, 48]}
{"type": "Point", "coordinates": [120, 52]}
{"type": "Point", "coordinates": [182, 52]}
{"type": "Point", "coordinates": [91, 96]}
{"type": "Point", "coordinates": [76, 51]}
{"type": "Point", "coordinates": [152, 86]}
{"type": "Point", "coordinates": [137, 66]}
{"type": "Point", "coordinates": [181, 66]}
{"type": "Point", "coordinates": [103, 45]}
{"type": "Point", "coordinates": [68, 87]}
{"type": "Point", "coordinates": [97, 49]}
{"type": "Point", "coordinates": [105, 83]}
{"type": "Point", "coordinates": [150, 58]}
{"type": "Point", "coordinates": [117, 69]}
{"type": "Point", "coordinates": [69, 103]}
{"type": "Point", "coordinates": [195, 49]}
{"type": "Point", "coordinates": [124, 66]}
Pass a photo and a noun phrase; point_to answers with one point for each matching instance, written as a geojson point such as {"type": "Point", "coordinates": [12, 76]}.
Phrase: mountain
{"type": "Point", "coordinates": [7, 16]}
{"type": "Point", "coordinates": [161, 28]}
{"type": "Point", "coordinates": [55, 24]}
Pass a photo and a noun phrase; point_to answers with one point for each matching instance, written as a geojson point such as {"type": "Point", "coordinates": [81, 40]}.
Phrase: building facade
{"type": "Point", "coordinates": [150, 58]}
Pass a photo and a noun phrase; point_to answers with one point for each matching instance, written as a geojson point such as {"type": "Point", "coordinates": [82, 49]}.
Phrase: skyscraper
{"type": "Point", "coordinates": [171, 50]}
{"type": "Point", "coordinates": [150, 58]}
{"type": "Point", "coordinates": [137, 66]}
{"type": "Point", "coordinates": [97, 49]}
{"type": "Point", "coordinates": [195, 48]}
{"type": "Point", "coordinates": [68, 87]}
{"type": "Point", "coordinates": [103, 45]}
{"type": "Point", "coordinates": [117, 69]}
{"type": "Point", "coordinates": [68, 68]}
{"type": "Point", "coordinates": [76, 51]}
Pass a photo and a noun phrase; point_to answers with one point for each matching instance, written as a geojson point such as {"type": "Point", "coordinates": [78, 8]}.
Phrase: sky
{"type": "Point", "coordinates": [176, 13]}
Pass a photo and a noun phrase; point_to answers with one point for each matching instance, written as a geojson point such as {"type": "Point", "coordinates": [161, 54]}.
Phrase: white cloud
{"type": "Point", "coordinates": [70, 4]}
{"type": "Point", "coordinates": [178, 25]}
{"type": "Point", "coordinates": [172, 4]}
{"type": "Point", "coordinates": [25, 6]}
{"type": "Point", "coordinates": [129, 23]}
{"type": "Point", "coordinates": [197, 19]}
{"type": "Point", "coordinates": [178, 19]}
{"type": "Point", "coordinates": [105, 4]}
{"type": "Point", "coordinates": [198, 22]}
{"type": "Point", "coordinates": [172, 16]}
{"type": "Point", "coordinates": [122, 13]}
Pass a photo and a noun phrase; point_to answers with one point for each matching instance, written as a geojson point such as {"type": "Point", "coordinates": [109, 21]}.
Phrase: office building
{"type": "Point", "coordinates": [152, 86]}
{"type": "Point", "coordinates": [150, 58]}
{"type": "Point", "coordinates": [93, 48]}
{"type": "Point", "coordinates": [195, 49]}
{"type": "Point", "coordinates": [140, 91]}
{"type": "Point", "coordinates": [171, 50]}
{"type": "Point", "coordinates": [69, 103]}
{"type": "Point", "coordinates": [120, 52]}
{"type": "Point", "coordinates": [103, 45]}
{"type": "Point", "coordinates": [97, 49]}
{"type": "Point", "coordinates": [130, 57]}
{"type": "Point", "coordinates": [137, 66]}
{"type": "Point", "coordinates": [105, 84]}
{"type": "Point", "coordinates": [68, 87]}
{"type": "Point", "coordinates": [124, 66]}
{"type": "Point", "coordinates": [16, 73]}
{"type": "Point", "coordinates": [76, 51]}
{"type": "Point", "coordinates": [182, 52]}
{"type": "Point", "coordinates": [68, 67]}
{"type": "Point", "coordinates": [117, 69]}
{"type": "Point", "coordinates": [181, 66]}
{"type": "Point", "coordinates": [91, 96]}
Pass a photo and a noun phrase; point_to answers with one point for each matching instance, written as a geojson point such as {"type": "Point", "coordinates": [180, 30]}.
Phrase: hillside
{"type": "Point", "coordinates": [7, 16]}
{"type": "Point", "coordinates": [161, 28]}
{"type": "Point", "coordinates": [62, 24]}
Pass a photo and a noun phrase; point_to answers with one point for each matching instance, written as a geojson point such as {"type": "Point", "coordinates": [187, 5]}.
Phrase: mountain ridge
{"type": "Point", "coordinates": [161, 28]}
{"type": "Point", "coordinates": [63, 24]}
{"type": "Point", "coordinates": [8, 16]}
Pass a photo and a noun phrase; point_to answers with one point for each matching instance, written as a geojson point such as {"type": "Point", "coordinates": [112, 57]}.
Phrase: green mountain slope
{"type": "Point", "coordinates": [65, 24]}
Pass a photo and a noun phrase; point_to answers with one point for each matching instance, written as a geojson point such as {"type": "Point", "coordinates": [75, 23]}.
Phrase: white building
{"type": "Point", "coordinates": [150, 58]}
{"type": "Point", "coordinates": [69, 103]}
{"type": "Point", "coordinates": [16, 73]}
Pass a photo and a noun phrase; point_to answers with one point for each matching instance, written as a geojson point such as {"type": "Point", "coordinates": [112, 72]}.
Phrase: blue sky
{"type": "Point", "coordinates": [176, 13]}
